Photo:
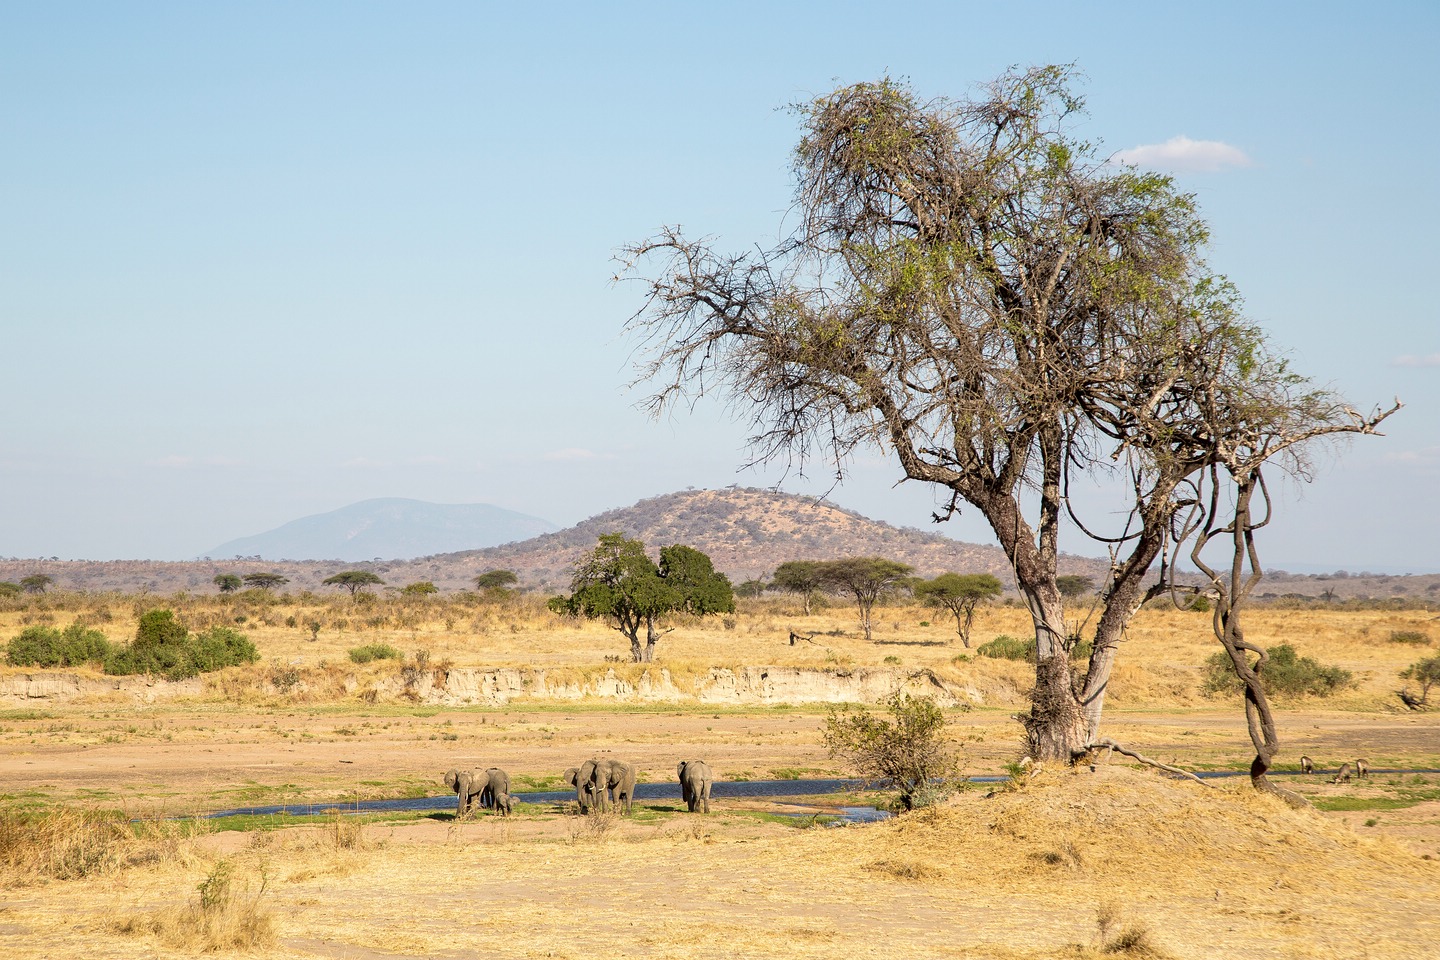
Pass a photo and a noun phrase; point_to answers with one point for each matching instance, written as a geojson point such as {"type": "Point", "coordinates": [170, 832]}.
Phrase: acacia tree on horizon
{"type": "Point", "coordinates": [982, 294]}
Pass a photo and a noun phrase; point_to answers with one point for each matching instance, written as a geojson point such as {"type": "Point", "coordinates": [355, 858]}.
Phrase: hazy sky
{"type": "Point", "coordinates": [263, 260]}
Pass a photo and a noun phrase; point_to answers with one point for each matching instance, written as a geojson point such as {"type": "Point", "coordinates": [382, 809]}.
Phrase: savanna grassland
{"type": "Point", "coordinates": [1110, 861]}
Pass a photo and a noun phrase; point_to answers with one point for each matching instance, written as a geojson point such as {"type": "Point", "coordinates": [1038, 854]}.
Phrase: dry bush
{"type": "Point", "coordinates": [225, 915]}
{"type": "Point", "coordinates": [62, 844]}
{"type": "Point", "coordinates": [595, 825]}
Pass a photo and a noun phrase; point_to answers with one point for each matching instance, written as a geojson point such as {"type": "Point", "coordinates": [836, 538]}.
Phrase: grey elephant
{"type": "Point", "coordinates": [613, 781]}
{"type": "Point", "coordinates": [581, 778]}
{"type": "Point", "coordinates": [695, 780]}
{"type": "Point", "coordinates": [496, 784]}
{"type": "Point", "coordinates": [467, 785]}
{"type": "Point", "coordinates": [504, 804]}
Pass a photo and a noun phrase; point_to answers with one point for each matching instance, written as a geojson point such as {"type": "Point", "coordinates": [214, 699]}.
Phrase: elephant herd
{"type": "Point", "coordinates": [600, 785]}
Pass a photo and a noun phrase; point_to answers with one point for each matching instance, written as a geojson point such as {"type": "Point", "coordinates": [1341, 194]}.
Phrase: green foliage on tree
{"type": "Point", "coordinates": [695, 585]}
{"type": "Point", "coordinates": [1284, 673]}
{"type": "Point", "coordinates": [163, 647]}
{"type": "Point", "coordinates": [40, 646]}
{"type": "Point", "coordinates": [353, 580]}
{"type": "Point", "coordinates": [36, 582]}
{"type": "Point", "coordinates": [867, 579]}
{"type": "Point", "coordinates": [1426, 673]}
{"type": "Point", "coordinates": [496, 580]}
{"type": "Point", "coordinates": [1072, 586]}
{"type": "Point", "coordinates": [8, 589]}
{"type": "Point", "coordinates": [799, 576]}
{"type": "Point", "coordinates": [959, 593]}
{"type": "Point", "coordinates": [750, 589]}
{"type": "Point", "coordinates": [421, 588]}
{"type": "Point", "coordinates": [618, 582]}
{"type": "Point", "coordinates": [909, 749]}
{"type": "Point", "coordinates": [264, 581]}
{"type": "Point", "coordinates": [228, 582]}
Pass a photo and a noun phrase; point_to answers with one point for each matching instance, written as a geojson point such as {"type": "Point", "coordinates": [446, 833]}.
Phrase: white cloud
{"type": "Point", "coordinates": [1410, 360]}
{"type": "Point", "coordinates": [1183, 155]}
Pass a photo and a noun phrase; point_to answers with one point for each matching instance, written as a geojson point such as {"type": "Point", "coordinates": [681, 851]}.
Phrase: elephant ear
{"type": "Point", "coordinates": [452, 780]}
{"type": "Point", "coordinates": [680, 770]}
{"type": "Point", "coordinates": [571, 775]}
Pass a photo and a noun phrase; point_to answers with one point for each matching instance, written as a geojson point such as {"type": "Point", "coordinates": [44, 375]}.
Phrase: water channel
{"type": "Point", "coordinates": [746, 789]}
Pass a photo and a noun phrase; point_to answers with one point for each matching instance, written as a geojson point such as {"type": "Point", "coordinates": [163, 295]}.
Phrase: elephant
{"type": "Point", "coordinates": [613, 778]}
{"type": "Point", "coordinates": [467, 785]}
{"type": "Point", "coordinates": [695, 780]}
{"type": "Point", "coordinates": [496, 784]}
{"type": "Point", "coordinates": [580, 778]}
{"type": "Point", "coordinates": [504, 804]}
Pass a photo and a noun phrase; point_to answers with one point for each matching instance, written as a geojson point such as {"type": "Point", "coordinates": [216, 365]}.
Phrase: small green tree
{"type": "Point", "coordinates": [228, 582]}
{"type": "Point", "coordinates": [8, 589]}
{"type": "Point", "coordinates": [1424, 672]}
{"type": "Point", "coordinates": [867, 579]}
{"type": "Point", "coordinates": [1072, 586]}
{"type": "Point", "coordinates": [698, 588]}
{"type": "Point", "coordinates": [909, 749]}
{"type": "Point", "coordinates": [264, 581]}
{"type": "Point", "coordinates": [799, 576]}
{"type": "Point", "coordinates": [353, 580]}
{"type": "Point", "coordinates": [36, 582]}
{"type": "Point", "coordinates": [496, 580]}
{"type": "Point", "coordinates": [421, 588]}
{"type": "Point", "coordinates": [751, 589]}
{"type": "Point", "coordinates": [617, 581]}
{"type": "Point", "coordinates": [41, 646]}
{"type": "Point", "coordinates": [959, 593]}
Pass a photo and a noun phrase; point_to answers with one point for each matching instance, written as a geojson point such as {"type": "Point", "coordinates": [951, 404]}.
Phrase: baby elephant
{"type": "Point", "coordinates": [695, 780]}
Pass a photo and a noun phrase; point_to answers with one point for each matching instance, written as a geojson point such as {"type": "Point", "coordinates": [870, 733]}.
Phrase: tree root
{"type": "Point", "coordinates": [1112, 745]}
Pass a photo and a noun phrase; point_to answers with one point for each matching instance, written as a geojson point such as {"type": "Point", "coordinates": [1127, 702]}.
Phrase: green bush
{"type": "Point", "coordinates": [1006, 647]}
{"type": "Point", "coordinates": [41, 646]}
{"type": "Point", "coordinates": [1416, 637]}
{"type": "Point", "coordinates": [163, 646]}
{"type": "Point", "coordinates": [375, 651]}
{"type": "Point", "coordinates": [1286, 674]}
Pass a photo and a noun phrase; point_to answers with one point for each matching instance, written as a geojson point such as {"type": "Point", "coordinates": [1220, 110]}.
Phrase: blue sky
{"type": "Point", "coordinates": [263, 260]}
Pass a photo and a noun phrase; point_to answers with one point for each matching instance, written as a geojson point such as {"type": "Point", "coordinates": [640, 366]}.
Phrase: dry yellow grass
{"type": "Point", "coordinates": [1117, 863]}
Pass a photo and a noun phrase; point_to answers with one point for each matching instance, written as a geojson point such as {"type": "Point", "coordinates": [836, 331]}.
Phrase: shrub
{"type": "Point", "coordinates": [1005, 647]}
{"type": "Point", "coordinates": [1285, 674]}
{"type": "Point", "coordinates": [909, 750]}
{"type": "Point", "coordinates": [41, 646]}
{"type": "Point", "coordinates": [163, 646]}
{"type": "Point", "coordinates": [1416, 637]}
{"type": "Point", "coordinates": [1426, 673]}
{"type": "Point", "coordinates": [375, 651]}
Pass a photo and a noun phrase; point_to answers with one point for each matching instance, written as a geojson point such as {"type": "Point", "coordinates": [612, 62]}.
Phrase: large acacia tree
{"type": "Point", "coordinates": [974, 289]}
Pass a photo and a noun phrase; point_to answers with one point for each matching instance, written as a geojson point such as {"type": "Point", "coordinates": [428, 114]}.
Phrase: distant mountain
{"type": "Point", "coordinates": [388, 528]}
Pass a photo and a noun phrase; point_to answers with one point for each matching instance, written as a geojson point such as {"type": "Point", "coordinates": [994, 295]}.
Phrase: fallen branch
{"type": "Point", "coordinates": [799, 636]}
{"type": "Point", "coordinates": [1112, 745]}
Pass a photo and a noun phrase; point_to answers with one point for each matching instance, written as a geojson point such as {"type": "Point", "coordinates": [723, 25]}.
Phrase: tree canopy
{"type": "Point", "coordinates": [496, 580]}
{"type": "Point", "coordinates": [866, 579]}
{"type": "Point", "coordinates": [36, 582]}
{"type": "Point", "coordinates": [981, 293]}
{"type": "Point", "coordinates": [264, 581]}
{"type": "Point", "coordinates": [227, 582]}
{"type": "Point", "coordinates": [617, 581]}
{"type": "Point", "coordinates": [353, 580]}
{"type": "Point", "coordinates": [959, 593]}
{"type": "Point", "coordinates": [799, 576]}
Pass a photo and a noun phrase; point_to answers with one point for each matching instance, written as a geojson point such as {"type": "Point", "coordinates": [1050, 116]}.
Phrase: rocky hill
{"type": "Point", "coordinates": [746, 532]}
